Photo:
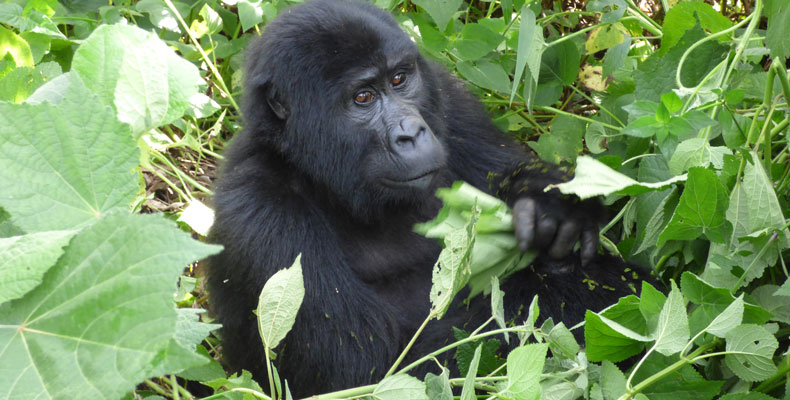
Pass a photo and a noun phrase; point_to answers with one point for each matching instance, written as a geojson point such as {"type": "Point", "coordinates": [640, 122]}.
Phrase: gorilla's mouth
{"type": "Point", "coordinates": [421, 180]}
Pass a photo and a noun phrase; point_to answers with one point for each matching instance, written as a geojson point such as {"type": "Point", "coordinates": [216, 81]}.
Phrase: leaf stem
{"type": "Point", "coordinates": [346, 393]}
{"type": "Point", "coordinates": [646, 21]}
{"type": "Point", "coordinates": [214, 71]}
{"type": "Point", "coordinates": [769, 384]}
{"type": "Point", "coordinates": [470, 338]}
{"type": "Point", "coordinates": [703, 41]}
{"type": "Point", "coordinates": [408, 346]}
{"type": "Point", "coordinates": [266, 350]}
{"type": "Point", "coordinates": [572, 115]}
{"type": "Point", "coordinates": [666, 371]}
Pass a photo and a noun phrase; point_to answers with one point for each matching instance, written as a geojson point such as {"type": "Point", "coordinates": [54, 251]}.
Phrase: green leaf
{"type": "Point", "coordinates": [11, 43]}
{"type": "Point", "coordinates": [615, 56]}
{"type": "Point", "coordinates": [208, 22]}
{"type": "Point", "coordinates": [656, 75]}
{"type": "Point", "coordinates": [643, 127]}
{"type": "Point", "coordinates": [441, 11]}
{"type": "Point", "coordinates": [234, 381]}
{"type": "Point", "coordinates": [476, 41]}
{"type": "Point", "coordinates": [21, 82]}
{"type": "Point", "coordinates": [559, 63]}
{"type": "Point", "coordinates": [498, 306]}
{"type": "Point", "coordinates": [563, 143]}
{"type": "Point", "coordinates": [250, 13]}
{"type": "Point", "coordinates": [701, 209]}
{"type": "Point", "coordinates": [594, 137]}
{"type": "Point", "coordinates": [659, 220]}
{"type": "Point", "coordinates": [137, 73]}
{"type": "Point", "coordinates": [672, 331]}
{"type": "Point", "coordinates": [684, 15]}
{"type": "Point", "coordinates": [733, 127]}
{"type": "Point", "coordinates": [613, 10]}
{"type": "Point", "coordinates": [524, 366]}
{"type": "Point", "coordinates": [489, 357]}
{"type": "Point", "coordinates": [279, 303]}
{"type": "Point", "coordinates": [451, 271]}
{"type": "Point", "coordinates": [104, 317]}
{"type": "Point", "coordinates": [190, 332]}
{"type": "Point", "coordinates": [713, 301]}
{"type": "Point", "coordinates": [594, 178]}
{"type": "Point", "coordinates": [776, 304]}
{"type": "Point", "coordinates": [494, 251]}
{"type": "Point", "coordinates": [160, 15]}
{"type": "Point", "coordinates": [696, 152]}
{"type": "Point", "coordinates": [672, 102]}
{"type": "Point", "coordinates": [651, 304]}
{"type": "Point", "coordinates": [613, 382]}
{"type": "Point", "coordinates": [608, 340]}
{"type": "Point", "coordinates": [468, 390]}
{"type": "Point", "coordinates": [28, 20]}
{"type": "Point", "coordinates": [683, 384]}
{"type": "Point", "coordinates": [25, 260]}
{"type": "Point", "coordinates": [530, 48]}
{"type": "Point", "coordinates": [562, 343]}
{"type": "Point", "coordinates": [750, 351]}
{"type": "Point", "coordinates": [65, 166]}
{"type": "Point", "coordinates": [605, 36]}
{"type": "Point", "coordinates": [731, 317]}
{"type": "Point", "coordinates": [762, 203]}
{"type": "Point", "coordinates": [399, 387]}
{"type": "Point", "coordinates": [778, 35]}
{"type": "Point", "coordinates": [437, 387]}
{"type": "Point", "coordinates": [754, 213]}
{"type": "Point", "coordinates": [747, 396]}
{"type": "Point", "coordinates": [486, 74]}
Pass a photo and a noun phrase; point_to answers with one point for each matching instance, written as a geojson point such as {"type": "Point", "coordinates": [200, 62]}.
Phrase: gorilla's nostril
{"type": "Point", "coordinates": [404, 140]}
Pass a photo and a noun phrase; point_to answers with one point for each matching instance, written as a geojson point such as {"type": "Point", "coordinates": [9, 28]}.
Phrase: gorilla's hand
{"type": "Point", "coordinates": [555, 226]}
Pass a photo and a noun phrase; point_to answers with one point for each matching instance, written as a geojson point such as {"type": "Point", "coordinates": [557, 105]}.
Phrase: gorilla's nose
{"type": "Point", "coordinates": [412, 138]}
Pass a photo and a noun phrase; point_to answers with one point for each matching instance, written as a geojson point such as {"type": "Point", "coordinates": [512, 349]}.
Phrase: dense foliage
{"type": "Point", "coordinates": [112, 115]}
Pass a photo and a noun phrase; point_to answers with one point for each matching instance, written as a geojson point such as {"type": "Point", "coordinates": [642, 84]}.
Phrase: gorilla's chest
{"type": "Point", "coordinates": [390, 256]}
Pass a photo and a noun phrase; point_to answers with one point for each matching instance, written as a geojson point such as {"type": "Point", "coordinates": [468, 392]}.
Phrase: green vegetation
{"type": "Point", "coordinates": [113, 115]}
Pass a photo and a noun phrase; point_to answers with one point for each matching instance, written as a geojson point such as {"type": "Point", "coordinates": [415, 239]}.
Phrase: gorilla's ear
{"type": "Point", "coordinates": [276, 104]}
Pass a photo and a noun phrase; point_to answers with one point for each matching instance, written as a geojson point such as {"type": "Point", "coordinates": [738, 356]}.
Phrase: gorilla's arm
{"type": "Point", "coordinates": [483, 156]}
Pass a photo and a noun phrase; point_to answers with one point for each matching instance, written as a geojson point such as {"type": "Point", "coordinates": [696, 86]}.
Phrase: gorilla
{"type": "Point", "coordinates": [348, 133]}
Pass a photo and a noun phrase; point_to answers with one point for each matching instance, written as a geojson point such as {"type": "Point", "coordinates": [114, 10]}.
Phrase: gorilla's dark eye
{"type": "Point", "coordinates": [398, 79]}
{"type": "Point", "coordinates": [363, 97]}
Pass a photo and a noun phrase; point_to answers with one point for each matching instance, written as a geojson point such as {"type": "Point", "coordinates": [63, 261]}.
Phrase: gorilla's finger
{"type": "Point", "coordinates": [589, 245]}
{"type": "Point", "coordinates": [567, 236]}
{"type": "Point", "coordinates": [524, 222]}
{"type": "Point", "coordinates": [546, 229]}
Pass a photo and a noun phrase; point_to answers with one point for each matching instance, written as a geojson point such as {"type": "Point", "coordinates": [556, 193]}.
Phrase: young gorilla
{"type": "Point", "coordinates": [349, 131]}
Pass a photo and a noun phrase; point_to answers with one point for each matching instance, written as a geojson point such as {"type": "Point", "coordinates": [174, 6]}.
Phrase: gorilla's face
{"type": "Point", "coordinates": [383, 103]}
{"type": "Point", "coordinates": [351, 104]}
{"type": "Point", "coordinates": [344, 96]}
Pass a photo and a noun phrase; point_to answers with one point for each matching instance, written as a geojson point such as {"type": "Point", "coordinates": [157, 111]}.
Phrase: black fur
{"type": "Point", "coordinates": [304, 176]}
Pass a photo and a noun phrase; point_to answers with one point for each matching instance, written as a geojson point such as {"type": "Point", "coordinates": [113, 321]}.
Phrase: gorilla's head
{"type": "Point", "coordinates": [349, 102]}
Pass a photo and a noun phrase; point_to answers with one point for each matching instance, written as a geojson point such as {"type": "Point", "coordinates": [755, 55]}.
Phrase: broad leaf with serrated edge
{"type": "Point", "coordinates": [62, 167]}
{"type": "Point", "coordinates": [399, 387]}
{"type": "Point", "coordinates": [672, 331]}
{"type": "Point", "coordinates": [750, 351]}
{"type": "Point", "coordinates": [137, 73]}
{"type": "Point", "coordinates": [104, 317]}
{"type": "Point", "coordinates": [594, 178]}
{"type": "Point", "coordinates": [25, 260]}
{"type": "Point", "coordinates": [524, 366]}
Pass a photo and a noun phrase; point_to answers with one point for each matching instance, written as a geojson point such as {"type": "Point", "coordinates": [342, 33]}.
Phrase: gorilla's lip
{"type": "Point", "coordinates": [419, 180]}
